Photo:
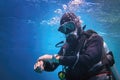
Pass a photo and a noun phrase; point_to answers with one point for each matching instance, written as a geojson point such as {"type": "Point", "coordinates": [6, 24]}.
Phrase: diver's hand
{"type": "Point", "coordinates": [39, 66]}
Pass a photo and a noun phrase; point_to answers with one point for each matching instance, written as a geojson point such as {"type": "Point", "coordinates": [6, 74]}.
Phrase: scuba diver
{"type": "Point", "coordinates": [82, 56]}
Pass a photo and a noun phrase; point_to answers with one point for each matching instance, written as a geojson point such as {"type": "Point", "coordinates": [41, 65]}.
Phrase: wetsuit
{"type": "Point", "coordinates": [89, 56]}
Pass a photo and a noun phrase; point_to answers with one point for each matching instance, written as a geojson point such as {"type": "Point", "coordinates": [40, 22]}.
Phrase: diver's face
{"type": "Point", "coordinates": [70, 31]}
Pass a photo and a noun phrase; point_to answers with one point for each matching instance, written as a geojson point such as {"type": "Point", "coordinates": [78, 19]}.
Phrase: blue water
{"type": "Point", "coordinates": [28, 29]}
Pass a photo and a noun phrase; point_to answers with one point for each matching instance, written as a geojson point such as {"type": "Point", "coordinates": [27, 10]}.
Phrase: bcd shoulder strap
{"type": "Point", "coordinates": [89, 34]}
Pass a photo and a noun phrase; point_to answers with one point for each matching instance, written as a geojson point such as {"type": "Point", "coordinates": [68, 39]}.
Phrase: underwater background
{"type": "Point", "coordinates": [28, 29]}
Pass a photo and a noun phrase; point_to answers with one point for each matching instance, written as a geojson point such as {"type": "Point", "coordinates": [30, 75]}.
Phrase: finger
{"type": "Point", "coordinates": [35, 66]}
{"type": "Point", "coordinates": [38, 63]}
{"type": "Point", "coordinates": [42, 68]}
{"type": "Point", "coordinates": [41, 65]}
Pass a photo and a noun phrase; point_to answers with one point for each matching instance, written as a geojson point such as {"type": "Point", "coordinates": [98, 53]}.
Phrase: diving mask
{"type": "Point", "coordinates": [67, 27]}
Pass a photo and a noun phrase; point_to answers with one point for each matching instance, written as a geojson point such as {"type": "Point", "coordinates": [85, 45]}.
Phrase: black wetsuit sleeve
{"type": "Point", "coordinates": [89, 57]}
{"type": "Point", "coordinates": [50, 66]}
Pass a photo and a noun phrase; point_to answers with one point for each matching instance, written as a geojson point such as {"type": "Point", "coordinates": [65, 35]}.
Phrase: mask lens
{"type": "Point", "coordinates": [67, 27]}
